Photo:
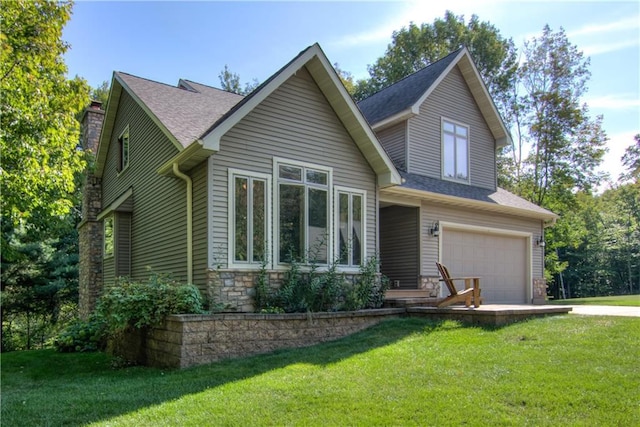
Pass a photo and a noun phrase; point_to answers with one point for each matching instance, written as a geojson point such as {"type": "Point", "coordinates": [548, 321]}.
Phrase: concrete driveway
{"type": "Point", "coordinates": [605, 310]}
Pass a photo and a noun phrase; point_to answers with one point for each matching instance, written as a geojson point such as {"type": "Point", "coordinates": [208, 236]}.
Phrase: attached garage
{"type": "Point", "coordinates": [501, 259]}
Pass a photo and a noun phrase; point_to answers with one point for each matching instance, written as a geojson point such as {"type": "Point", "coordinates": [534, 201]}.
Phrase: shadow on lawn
{"type": "Point", "coordinates": [89, 382]}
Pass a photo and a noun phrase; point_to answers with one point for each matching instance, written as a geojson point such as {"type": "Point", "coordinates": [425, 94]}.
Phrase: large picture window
{"type": "Point", "coordinates": [303, 210]}
{"type": "Point", "coordinates": [248, 204]}
{"type": "Point", "coordinates": [350, 226]}
{"type": "Point", "coordinates": [455, 151]}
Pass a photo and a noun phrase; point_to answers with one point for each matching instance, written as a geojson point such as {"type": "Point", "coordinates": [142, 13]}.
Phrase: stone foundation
{"type": "Point", "coordinates": [431, 285]}
{"type": "Point", "coordinates": [188, 340]}
{"type": "Point", "coordinates": [235, 289]}
{"type": "Point", "coordinates": [539, 291]}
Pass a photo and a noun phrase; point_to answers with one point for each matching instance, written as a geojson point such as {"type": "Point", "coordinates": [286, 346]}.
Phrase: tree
{"type": "Point", "coordinates": [231, 82]}
{"type": "Point", "coordinates": [38, 108]}
{"type": "Point", "coordinates": [346, 78]}
{"type": "Point", "coordinates": [415, 47]}
{"type": "Point", "coordinates": [101, 93]}
{"type": "Point", "coordinates": [558, 145]}
{"type": "Point", "coordinates": [631, 160]}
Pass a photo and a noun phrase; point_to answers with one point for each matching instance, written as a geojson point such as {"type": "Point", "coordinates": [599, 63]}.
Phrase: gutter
{"type": "Point", "coordinates": [187, 179]}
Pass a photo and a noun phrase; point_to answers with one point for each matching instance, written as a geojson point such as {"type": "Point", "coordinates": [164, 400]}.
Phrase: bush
{"type": "Point", "coordinates": [130, 304]}
{"type": "Point", "coordinates": [368, 291]}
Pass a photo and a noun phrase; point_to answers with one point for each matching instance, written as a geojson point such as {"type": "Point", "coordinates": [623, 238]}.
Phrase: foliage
{"type": "Point", "coordinates": [143, 304]}
{"type": "Point", "coordinates": [550, 371]}
{"type": "Point", "coordinates": [316, 291]}
{"type": "Point", "coordinates": [230, 82]}
{"type": "Point", "coordinates": [346, 78]}
{"type": "Point", "coordinates": [417, 46]}
{"type": "Point", "coordinates": [39, 283]}
{"type": "Point", "coordinates": [631, 160]}
{"type": "Point", "coordinates": [38, 110]}
{"type": "Point", "coordinates": [82, 336]}
{"type": "Point", "coordinates": [101, 93]}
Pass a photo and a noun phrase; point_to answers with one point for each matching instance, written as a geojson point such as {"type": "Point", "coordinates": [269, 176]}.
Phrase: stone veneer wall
{"type": "Point", "coordinates": [188, 340]}
{"type": "Point", "coordinates": [90, 237]}
{"type": "Point", "coordinates": [235, 289]}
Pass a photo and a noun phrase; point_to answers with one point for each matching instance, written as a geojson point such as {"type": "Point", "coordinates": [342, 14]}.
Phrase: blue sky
{"type": "Point", "coordinates": [166, 41]}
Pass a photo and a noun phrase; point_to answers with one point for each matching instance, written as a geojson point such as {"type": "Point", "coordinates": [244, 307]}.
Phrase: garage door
{"type": "Point", "coordinates": [500, 261]}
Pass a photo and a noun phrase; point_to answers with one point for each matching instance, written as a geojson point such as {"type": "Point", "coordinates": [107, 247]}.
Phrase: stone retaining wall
{"type": "Point", "coordinates": [188, 340]}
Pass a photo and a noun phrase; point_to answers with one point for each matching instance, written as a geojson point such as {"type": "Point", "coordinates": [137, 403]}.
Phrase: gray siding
{"type": "Point", "coordinates": [437, 212]}
{"type": "Point", "coordinates": [394, 141]}
{"type": "Point", "coordinates": [158, 228]}
{"type": "Point", "coordinates": [200, 235]}
{"type": "Point", "coordinates": [453, 100]}
{"type": "Point", "coordinates": [399, 245]}
{"type": "Point", "coordinates": [295, 122]}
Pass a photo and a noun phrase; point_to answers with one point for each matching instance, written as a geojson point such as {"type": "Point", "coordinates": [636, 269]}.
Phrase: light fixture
{"type": "Point", "coordinates": [435, 230]}
{"type": "Point", "coordinates": [540, 241]}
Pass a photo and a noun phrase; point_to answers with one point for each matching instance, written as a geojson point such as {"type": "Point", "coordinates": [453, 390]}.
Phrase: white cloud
{"type": "Point", "coordinates": [629, 23]}
{"type": "Point", "coordinates": [617, 145]}
{"type": "Point", "coordinates": [599, 48]}
{"type": "Point", "coordinates": [613, 102]}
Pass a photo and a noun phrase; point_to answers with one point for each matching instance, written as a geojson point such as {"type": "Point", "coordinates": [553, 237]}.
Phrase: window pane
{"type": "Point", "coordinates": [318, 248]}
{"type": "Point", "coordinates": [448, 127]}
{"type": "Point", "coordinates": [357, 230]}
{"type": "Point", "coordinates": [461, 130]}
{"type": "Point", "coordinates": [461, 158]}
{"type": "Point", "coordinates": [290, 172]}
{"type": "Point", "coordinates": [241, 231]}
{"type": "Point", "coordinates": [259, 228]}
{"type": "Point", "coordinates": [108, 236]}
{"type": "Point", "coordinates": [449, 156]}
{"type": "Point", "coordinates": [316, 177]}
{"type": "Point", "coordinates": [291, 222]}
{"type": "Point", "coordinates": [344, 242]}
{"type": "Point", "coordinates": [125, 150]}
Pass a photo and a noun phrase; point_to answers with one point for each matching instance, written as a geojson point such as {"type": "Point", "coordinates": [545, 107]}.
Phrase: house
{"type": "Point", "coordinates": [204, 184]}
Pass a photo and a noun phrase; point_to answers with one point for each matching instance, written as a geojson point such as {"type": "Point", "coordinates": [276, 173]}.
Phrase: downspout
{"type": "Point", "coordinates": [187, 179]}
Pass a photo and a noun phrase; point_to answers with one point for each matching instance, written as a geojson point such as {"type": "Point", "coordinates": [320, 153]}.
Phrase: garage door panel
{"type": "Point", "coordinates": [500, 261]}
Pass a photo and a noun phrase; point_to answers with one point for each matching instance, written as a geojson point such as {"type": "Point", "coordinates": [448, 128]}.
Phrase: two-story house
{"type": "Point", "coordinates": [207, 185]}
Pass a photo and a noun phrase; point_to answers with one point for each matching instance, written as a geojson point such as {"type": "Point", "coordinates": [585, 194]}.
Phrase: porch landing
{"type": "Point", "coordinates": [489, 314]}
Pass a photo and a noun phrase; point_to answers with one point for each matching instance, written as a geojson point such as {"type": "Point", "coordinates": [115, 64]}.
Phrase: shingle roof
{"type": "Point", "coordinates": [500, 197]}
{"type": "Point", "coordinates": [404, 93]}
{"type": "Point", "coordinates": [185, 113]}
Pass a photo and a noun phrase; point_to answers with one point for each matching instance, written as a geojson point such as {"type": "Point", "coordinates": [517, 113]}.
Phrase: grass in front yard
{"type": "Point", "coordinates": [565, 370]}
{"type": "Point", "coordinates": [623, 300]}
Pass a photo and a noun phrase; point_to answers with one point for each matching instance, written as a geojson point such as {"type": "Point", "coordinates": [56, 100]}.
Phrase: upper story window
{"type": "Point", "coordinates": [123, 150]}
{"type": "Point", "coordinates": [303, 211]}
{"type": "Point", "coordinates": [455, 151]}
{"type": "Point", "coordinates": [248, 215]}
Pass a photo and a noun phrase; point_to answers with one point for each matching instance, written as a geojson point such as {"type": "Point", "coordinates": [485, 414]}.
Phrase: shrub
{"type": "Point", "coordinates": [368, 290]}
{"type": "Point", "coordinates": [130, 304]}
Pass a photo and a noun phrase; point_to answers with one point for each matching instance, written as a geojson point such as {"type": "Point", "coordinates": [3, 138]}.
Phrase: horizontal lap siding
{"type": "Point", "coordinates": [295, 122]}
{"type": "Point", "coordinates": [399, 246]}
{"type": "Point", "coordinates": [393, 140]}
{"type": "Point", "coordinates": [437, 212]}
{"type": "Point", "coordinates": [453, 100]}
{"type": "Point", "coordinates": [158, 227]}
{"type": "Point", "coordinates": [200, 235]}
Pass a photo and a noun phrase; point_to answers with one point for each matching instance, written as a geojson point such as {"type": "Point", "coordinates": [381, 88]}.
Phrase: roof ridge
{"type": "Point", "coordinates": [148, 80]}
{"type": "Point", "coordinates": [455, 52]}
{"type": "Point", "coordinates": [209, 86]}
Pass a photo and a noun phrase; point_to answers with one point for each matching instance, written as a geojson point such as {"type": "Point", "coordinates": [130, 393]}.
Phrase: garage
{"type": "Point", "coordinates": [500, 260]}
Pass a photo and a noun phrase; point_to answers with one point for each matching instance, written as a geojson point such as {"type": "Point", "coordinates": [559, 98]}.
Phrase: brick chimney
{"type": "Point", "coordinates": [90, 231]}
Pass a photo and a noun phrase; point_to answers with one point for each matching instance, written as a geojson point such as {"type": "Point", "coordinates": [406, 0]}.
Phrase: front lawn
{"type": "Point", "coordinates": [563, 370]}
{"type": "Point", "coordinates": [623, 300]}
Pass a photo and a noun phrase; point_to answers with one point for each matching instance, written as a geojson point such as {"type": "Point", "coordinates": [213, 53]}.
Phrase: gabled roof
{"type": "Point", "coordinates": [454, 193]}
{"type": "Point", "coordinates": [402, 100]}
{"type": "Point", "coordinates": [195, 116]}
{"type": "Point", "coordinates": [183, 112]}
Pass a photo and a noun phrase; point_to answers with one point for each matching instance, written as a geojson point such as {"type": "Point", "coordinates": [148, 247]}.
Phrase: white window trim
{"type": "Point", "coordinates": [277, 161]}
{"type": "Point", "coordinates": [363, 193]}
{"type": "Point", "coordinates": [249, 265]}
{"type": "Point", "coordinates": [124, 167]}
{"type": "Point", "coordinates": [456, 123]}
{"type": "Point", "coordinates": [111, 218]}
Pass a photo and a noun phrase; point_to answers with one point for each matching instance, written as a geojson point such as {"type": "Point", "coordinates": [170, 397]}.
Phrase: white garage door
{"type": "Point", "coordinates": [500, 261]}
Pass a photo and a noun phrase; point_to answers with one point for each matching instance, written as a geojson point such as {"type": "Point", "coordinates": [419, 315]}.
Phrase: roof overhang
{"type": "Point", "coordinates": [187, 158]}
{"type": "Point", "coordinates": [327, 80]}
{"type": "Point", "coordinates": [115, 93]}
{"type": "Point", "coordinates": [395, 193]}
{"type": "Point", "coordinates": [124, 203]}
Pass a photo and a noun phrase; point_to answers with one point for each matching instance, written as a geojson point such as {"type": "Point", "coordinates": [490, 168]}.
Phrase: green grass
{"type": "Point", "coordinates": [623, 300]}
{"type": "Point", "coordinates": [563, 370]}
